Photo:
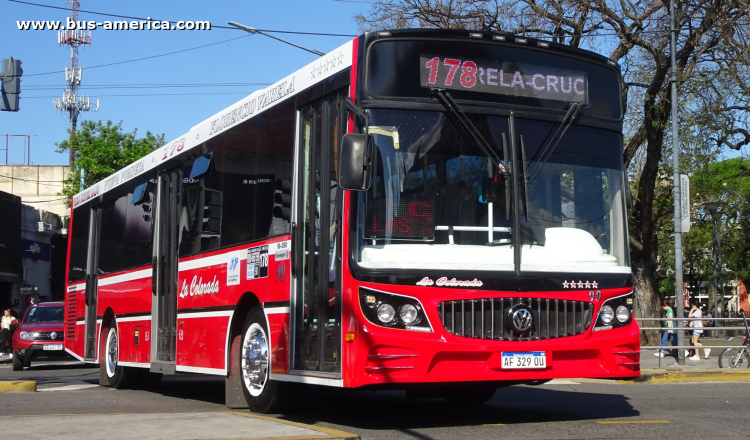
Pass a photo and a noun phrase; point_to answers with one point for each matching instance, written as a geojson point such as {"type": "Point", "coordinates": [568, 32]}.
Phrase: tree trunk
{"type": "Point", "coordinates": [647, 300]}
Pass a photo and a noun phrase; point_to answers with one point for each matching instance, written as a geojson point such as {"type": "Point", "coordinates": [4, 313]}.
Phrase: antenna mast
{"type": "Point", "coordinates": [71, 103]}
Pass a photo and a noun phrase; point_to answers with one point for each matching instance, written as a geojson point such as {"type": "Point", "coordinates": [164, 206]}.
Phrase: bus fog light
{"type": "Point", "coordinates": [607, 314]}
{"type": "Point", "coordinates": [370, 300]}
{"type": "Point", "coordinates": [623, 314]}
{"type": "Point", "coordinates": [386, 313]}
{"type": "Point", "coordinates": [409, 314]}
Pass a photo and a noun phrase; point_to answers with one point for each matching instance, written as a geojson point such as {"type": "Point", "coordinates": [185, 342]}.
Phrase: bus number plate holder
{"type": "Point", "coordinates": [513, 360]}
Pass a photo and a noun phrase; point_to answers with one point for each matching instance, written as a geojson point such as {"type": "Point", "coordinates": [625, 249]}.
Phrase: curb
{"type": "Point", "coordinates": [18, 385]}
{"type": "Point", "coordinates": [670, 376]}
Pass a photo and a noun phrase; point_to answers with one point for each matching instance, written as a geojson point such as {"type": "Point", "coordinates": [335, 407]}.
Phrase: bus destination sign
{"type": "Point", "coordinates": [503, 78]}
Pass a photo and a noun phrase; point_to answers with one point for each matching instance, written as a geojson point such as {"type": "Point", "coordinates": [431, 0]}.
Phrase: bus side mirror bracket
{"type": "Point", "coordinates": [355, 163]}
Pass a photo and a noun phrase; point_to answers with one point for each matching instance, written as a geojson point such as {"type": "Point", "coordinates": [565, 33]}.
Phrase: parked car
{"type": "Point", "coordinates": [40, 335]}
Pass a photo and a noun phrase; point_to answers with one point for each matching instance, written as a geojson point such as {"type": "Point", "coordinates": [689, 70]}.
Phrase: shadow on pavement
{"type": "Point", "coordinates": [511, 405]}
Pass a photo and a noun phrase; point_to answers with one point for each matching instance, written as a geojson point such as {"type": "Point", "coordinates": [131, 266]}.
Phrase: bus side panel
{"type": "Point", "coordinates": [210, 286]}
{"type": "Point", "coordinates": [278, 327]}
{"type": "Point", "coordinates": [201, 341]}
{"type": "Point", "coordinates": [133, 341]}
{"type": "Point", "coordinates": [128, 295]}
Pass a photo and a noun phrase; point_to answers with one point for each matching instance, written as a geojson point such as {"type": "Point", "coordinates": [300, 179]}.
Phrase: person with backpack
{"type": "Point", "coordinates": [669, 335]}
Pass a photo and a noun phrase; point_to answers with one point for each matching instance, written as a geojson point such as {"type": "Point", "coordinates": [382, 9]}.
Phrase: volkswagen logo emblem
{"type": "Point", "coordinates": [53, 335]}
{"type": "Point", "coordinates": [520, 318]}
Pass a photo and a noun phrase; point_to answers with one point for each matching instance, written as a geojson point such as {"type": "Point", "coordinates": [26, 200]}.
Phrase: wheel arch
{"type": "Point", "coordinates": [247, 301]}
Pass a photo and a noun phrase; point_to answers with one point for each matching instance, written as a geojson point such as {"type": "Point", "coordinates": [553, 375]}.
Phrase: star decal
{"type": "Point", "coordinates": [313, 73]}
{"type": "Point", "coordinates": [588, 285]}
{"type": "Point", "coordinates": [594, 284]}
{"type": "Point", "coordinates": [580, 284]}
{"type": "Point", "coordinates": [566, 284]}
{"type": "Point", "coordinates": [340, 58]}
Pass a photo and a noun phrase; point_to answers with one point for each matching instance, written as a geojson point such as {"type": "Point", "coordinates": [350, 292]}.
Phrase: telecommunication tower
{"type": "Point", "coordinates": [71, 103]}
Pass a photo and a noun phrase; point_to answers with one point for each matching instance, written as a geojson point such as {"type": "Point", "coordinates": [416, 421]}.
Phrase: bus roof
{"type": "Point", "coordinates": [334, 62]}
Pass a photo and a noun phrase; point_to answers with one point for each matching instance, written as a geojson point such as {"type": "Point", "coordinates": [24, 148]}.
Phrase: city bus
{"type": "Point", "coordinates": [442, 212]}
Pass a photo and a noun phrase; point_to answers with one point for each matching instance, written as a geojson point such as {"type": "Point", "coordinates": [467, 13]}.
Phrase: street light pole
{"type": "Point", "coordinates": [679, 300]}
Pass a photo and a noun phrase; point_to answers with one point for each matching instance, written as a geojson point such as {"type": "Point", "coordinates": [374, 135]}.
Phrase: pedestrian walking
{"type": "Point", "coordinates": [5, 336]}
{"type": "Point", "coordinates": [697, 325]}
{"type": "Point", "coordinates": [669, 335]}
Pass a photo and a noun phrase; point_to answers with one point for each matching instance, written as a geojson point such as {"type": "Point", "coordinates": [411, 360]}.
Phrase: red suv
{"type": "Point", "coordinates": [40, 335]}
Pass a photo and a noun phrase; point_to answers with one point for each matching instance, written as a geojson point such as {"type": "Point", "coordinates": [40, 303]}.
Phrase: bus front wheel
{"type": "Point", "coordinates": [262, 394]}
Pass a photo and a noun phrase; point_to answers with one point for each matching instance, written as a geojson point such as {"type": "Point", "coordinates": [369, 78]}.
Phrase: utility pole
{"type": "Point", "coordinates": [679, 300]}
{"type": "Point", "coordinates": [71, 103]}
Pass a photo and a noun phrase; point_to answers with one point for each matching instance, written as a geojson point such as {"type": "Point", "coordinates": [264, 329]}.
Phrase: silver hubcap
{"type": "Point", "coordinates": [111, 352]}
{"type": "Point", "coordinates": [255, 359]}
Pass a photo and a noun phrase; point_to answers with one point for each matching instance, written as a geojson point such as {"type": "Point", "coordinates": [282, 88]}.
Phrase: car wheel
{"type": "Point", "coordinates": [262, 394]}
{"type": "Point", "coordinates": [118, 376]}
{"type": "Point", "coordinates": [18, 364]}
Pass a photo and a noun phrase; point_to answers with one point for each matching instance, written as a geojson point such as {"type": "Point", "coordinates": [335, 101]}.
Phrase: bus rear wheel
{"type": "Point", "coordinates": [119, 377]}
{"type": "Point", "coordinates": [262, 394]}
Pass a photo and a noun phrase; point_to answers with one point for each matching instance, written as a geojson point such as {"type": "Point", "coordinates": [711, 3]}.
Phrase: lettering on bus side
{"type": "Point", "coordinates": [198, 287]}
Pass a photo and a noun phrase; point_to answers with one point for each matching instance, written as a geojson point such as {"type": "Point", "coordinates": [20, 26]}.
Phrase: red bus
{"type": "Point", "coordinates": [437, 211]}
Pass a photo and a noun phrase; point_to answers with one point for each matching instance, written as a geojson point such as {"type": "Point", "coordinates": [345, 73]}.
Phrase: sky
{"type": "Point", "coordinates": [250, 62]}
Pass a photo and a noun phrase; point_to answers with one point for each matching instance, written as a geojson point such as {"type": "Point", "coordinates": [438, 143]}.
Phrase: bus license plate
{"type": "Point", "coordinates": [523, 359]}
{"type": "Point", "coordinates": [53, 347]}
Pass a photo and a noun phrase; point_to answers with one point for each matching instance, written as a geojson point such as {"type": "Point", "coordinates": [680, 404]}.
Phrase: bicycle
{"type": "Point", "coordinates": [737, 357]}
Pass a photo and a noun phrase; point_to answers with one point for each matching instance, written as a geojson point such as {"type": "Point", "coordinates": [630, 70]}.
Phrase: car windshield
{"type": "Point", "coordinates": [45, 314]}
{"type": "Point", "coordinates": [436, 200]}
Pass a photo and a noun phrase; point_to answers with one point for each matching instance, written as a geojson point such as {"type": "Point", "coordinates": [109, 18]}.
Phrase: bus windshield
{"type": "Point", "coordinates": [437, 201]}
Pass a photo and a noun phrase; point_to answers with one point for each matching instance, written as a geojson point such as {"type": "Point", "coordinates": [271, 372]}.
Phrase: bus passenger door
{"type": "Point", "coordinates": [165, 272]}
{"type": "Point", "coordinates": [317, 345]}
{"type": "Point", "coordinates": [92, 282]}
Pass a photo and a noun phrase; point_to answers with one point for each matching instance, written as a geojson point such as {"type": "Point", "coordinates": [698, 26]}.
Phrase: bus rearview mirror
{"type": "Point", "coordinates": [355, 164]}
{"type": "Point", "coordinates": [201, 166]}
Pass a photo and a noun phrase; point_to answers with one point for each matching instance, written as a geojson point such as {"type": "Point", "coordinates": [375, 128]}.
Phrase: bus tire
{"type": "Point", "coordinates": [262, 394]}
{"type": "Point", "coordinates": [117, 376]}
{"type": "Point", "coordinates": [470, 394]}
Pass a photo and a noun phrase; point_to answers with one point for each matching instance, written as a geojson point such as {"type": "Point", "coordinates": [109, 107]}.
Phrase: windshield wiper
{"type": "Point", "coordinates": [447, 101]}
{"type": "Point", "coordinates": [525, 180]}
{"type": "Point", "coordinates": [554, 141]}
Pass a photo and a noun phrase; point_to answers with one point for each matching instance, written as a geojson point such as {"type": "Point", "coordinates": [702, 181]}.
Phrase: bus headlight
{"type": "Point", "coordinates": [622, 314]}
{"type": "Point", "coordinates": [386, 313]}
{"type": "Point", "coordinates": [607, 314]}
{"type": "Point", "coordinates": [409, 314]}
{"type": "Point", "coordinates": [393, 311]}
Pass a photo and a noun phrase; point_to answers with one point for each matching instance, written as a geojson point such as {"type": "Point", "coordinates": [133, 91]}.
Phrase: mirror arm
{"type": "Point", "coordinates": [350, 106]}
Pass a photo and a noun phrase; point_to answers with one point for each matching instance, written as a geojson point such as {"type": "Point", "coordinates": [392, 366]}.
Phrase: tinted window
{"type": "Point", "coordinates": [258, 152]}
{"type": "Point", "coordinates": [79, 243]}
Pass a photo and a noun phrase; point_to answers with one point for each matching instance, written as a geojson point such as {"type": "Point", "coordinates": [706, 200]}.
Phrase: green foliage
{"type": "Point", "coordinates": [101, 150]}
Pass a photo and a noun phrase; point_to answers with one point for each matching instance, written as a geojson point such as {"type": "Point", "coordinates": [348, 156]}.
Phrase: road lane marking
{"type": "Point", "coordinates": [561, 382]}
{"type": "Point", "coordinates": [71, 387]}
{"type": "Point", "coordinates": [613, 422]}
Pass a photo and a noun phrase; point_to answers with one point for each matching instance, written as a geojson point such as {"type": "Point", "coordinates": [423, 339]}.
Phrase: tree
{"type": "Point", "coordinates": [712, 69]}
{"type": "Point", "coordinates": [102, 149]}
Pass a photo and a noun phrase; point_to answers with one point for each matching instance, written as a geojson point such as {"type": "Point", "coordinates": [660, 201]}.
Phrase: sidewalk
{"type": "Point", "coordinates": [665, 369]}
{"type": "Point", "coordinates": [175, 426]}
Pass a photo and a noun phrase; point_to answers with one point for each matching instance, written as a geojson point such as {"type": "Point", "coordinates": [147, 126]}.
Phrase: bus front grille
{"type": "Point", "coordinates": [489, 318]}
